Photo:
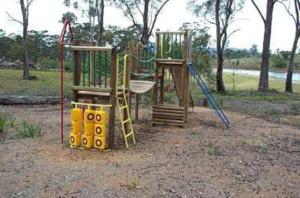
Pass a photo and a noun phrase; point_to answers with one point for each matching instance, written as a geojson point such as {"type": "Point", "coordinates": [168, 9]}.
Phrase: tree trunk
{"type": "Point", "coordinates": [289, 76]}
{"type": "Point", "coordinates": [101, 23]}
{"type": "Point", "coordinates": [145, 31]}
{"type": "Point", "coordinates": [264, 68]}
{"type": "Point", "coordinates": [24, 10]}
{"type": "Point", "coordinates": [219, 77]}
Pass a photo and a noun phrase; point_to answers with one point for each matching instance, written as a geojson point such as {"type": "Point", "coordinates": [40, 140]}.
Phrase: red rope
{"type": "Point", "coordinates": [61, 42]}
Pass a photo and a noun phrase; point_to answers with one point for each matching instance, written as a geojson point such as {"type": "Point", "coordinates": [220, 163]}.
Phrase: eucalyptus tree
{"type": "Point", "coordinates": [221, 14]}
{"type": "Point", "coordinates": [267, 20]}
{"type": "Point", "coordinates": [143, 14]}
{"type": "Point", "coordinates": [292, 7]}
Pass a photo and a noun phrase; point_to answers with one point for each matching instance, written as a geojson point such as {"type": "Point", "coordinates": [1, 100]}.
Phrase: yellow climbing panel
{"type": "Point", "coordinates": [89, 126]}
{"type": "Point", "coordinates": [126, 123]}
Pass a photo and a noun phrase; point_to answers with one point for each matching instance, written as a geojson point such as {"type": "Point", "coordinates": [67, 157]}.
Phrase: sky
{"type": "Point", "coordinates": [45, 15]}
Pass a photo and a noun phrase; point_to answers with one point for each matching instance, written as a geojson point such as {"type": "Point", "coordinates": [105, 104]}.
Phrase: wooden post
{"type": "Point", "coordinates": [138, 69]}
{"type": "Point", "coordinates": [129, 68]}
{"type": "Point", "coordinates": [113, 86]}
{"type": "Point", "coordinates": [185, 94]}
{"type": "Point", "coordinates": [156, 76]}
{"type": "Point", "coordinates": [76, 73]}
{"type": "Point", "coordinates": [162, 81]}
{"type": "Point", "coordinates": [92, 68]}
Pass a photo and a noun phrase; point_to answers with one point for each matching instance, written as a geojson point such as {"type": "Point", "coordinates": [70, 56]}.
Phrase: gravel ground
{"type": "Point", "coordinates": [254, 158]}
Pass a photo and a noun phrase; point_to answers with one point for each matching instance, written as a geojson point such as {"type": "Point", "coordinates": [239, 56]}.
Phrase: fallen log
{"type": "Point", "coordinates": [27, 100]}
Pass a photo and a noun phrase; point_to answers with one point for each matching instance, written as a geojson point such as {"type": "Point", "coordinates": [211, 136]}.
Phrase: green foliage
{"type": "Point", "coordinates": [41, 44]}
{"type": "Point", "coordinates": [207, 9]}
{"type": "Point", "coordinates": [12, 122]}
{"type": "Point", "coordinates": [121, 37]}
{"type": "Point", "coordinates": [200, 53]}
{"type": "Point", "coordinates": [29, 130]}
{"type": "Point", "coordinates": [280, 59]}
{"type": "Point", "coordinates": [70, 16]}
{"type": "Point", "coordinates": [253, 51]}
{"type": "Point", "coordinates": [3, 122]}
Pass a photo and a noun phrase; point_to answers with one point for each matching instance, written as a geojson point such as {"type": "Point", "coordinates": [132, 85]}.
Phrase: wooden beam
{"type": "Point", "coordinates": [162, 82]}
{"type": "Point", "coordinates": [95, 89]}
{"type": "Point", "coordinates": [76, 73]}
{"type": "Point", "coordinates": [112, 112]}
{"type": "Point", "coordinates": [89, 48]}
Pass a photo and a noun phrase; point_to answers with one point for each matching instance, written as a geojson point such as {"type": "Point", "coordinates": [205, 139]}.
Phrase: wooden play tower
{"type": "Point", "coordinates": [173, 53]}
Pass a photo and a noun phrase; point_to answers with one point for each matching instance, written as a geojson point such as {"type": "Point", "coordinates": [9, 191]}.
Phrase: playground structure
{"type": "Point", "coordinates": [104, 80]}
{"type": "Point", "coordinates": [172, 54]}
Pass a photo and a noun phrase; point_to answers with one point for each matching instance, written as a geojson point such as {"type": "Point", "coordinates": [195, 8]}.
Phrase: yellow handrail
{"type": "Point", "coordinates": [124, 73]}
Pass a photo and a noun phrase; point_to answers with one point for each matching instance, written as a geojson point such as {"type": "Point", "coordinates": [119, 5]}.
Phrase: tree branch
{"type": "Point", "coordinates": [13, 18]}
{"type": "Point", "coordinates": [234, 31]}
{"type": "Point", "coordinates": [156, 15]}
{"type": "Point", "coordinates": [288, 11]}
{"type": "Point", "coordinates": [138, 8]}
{"type": "Point", "coordinates": [131, 14]}
{"type": "Point", "coordinates": [29, 3]}
{"type": "Point", "coordinates": [259, 11]}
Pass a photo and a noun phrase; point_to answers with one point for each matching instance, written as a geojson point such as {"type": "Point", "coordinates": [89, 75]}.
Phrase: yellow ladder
{"type": "Point", "coordinates": [127, 128]}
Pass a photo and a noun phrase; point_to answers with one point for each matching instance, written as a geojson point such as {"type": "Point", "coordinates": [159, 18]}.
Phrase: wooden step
{"type": "Point", "coordinates": [168, 107]}
{"type": "Point", "coordinates": [156, 114]}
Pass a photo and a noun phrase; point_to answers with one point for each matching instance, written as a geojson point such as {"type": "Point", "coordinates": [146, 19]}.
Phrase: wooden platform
{"type": "Point", "coordinates": [169, 62]}
{"type": "Point", "coordinates": [168, 115]}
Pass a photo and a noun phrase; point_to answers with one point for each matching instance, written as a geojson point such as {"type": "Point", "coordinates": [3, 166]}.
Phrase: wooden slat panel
{"type": "Point", "coordinates": [167, 107]}
{"type": "Point", "coordinates": [168, 118]}
{"type": "Point", "coordinates": [167, 114]}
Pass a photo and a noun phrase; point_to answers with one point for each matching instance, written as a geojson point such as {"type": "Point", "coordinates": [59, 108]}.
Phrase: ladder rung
{"type": "Point", "coordinates": [123, 107]}
{"type": "Point", "coordinates": [126, 121]}
{"type": "Point", "coordinates": [129, 134]}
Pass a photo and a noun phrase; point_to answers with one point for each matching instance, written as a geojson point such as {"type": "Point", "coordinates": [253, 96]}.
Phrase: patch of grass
{"type": "Point", "coordinates": [12, 122]}
{"type": "Point", "coordinates": [3, 122]}
{"type": "Point", "coordinates": [210, 149]}
{"type": "Point", "coordinates": [29, 130]}
{"type": "Point", "coordinates": [47, 83]}
{"type": "Point", "coordinates": [263, 148]}
{"type": "Point", "coordinates": [133, 185]}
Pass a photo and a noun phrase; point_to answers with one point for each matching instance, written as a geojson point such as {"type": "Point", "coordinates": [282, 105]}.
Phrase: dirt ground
{"type": "Point", "coordinates": [254, 158]}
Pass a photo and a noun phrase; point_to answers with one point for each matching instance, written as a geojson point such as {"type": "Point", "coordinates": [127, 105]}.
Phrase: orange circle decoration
{"type": "Point", "coordinates": [90, 116]}
{"type": "Point", "coordinates": [98, 130]}
{"type": "Point", "coordinates": [72, 139]}
{"type": "Point", "coordinates": [84, 141]}
{"type": "Point", "coordinates": [98, 143]}
{"type": "Point", "coordinates": [98, 117]}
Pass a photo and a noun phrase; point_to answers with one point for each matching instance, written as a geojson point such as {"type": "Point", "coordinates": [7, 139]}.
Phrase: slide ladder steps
{"type": "Point", "coordinates": [126, 123]}
{"type": "Point", "coordinates": [211, 100]}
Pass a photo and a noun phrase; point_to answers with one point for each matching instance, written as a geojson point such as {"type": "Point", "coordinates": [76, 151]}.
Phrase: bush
{"type": "Point", "coordinates": [280, 59]}
{"type": "Point", "coordinates": [29, 130]}
{"type": "Point", "coordinates": [278, 62]}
